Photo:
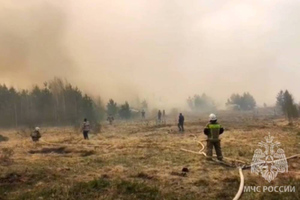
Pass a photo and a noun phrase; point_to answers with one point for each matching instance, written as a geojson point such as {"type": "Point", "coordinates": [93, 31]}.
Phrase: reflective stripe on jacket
{"type": "Point", "coordinates": [213, 131]}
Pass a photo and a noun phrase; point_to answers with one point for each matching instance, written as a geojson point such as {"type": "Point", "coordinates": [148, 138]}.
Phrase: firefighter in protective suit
{"type": "Point", "coordinates": [213, 130]}
{"type": "Point", "coordinates": [36, 135]}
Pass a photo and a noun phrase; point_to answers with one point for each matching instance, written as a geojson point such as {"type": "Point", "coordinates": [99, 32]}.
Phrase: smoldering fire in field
{"type": "Point", "coordinates": [149, 99]}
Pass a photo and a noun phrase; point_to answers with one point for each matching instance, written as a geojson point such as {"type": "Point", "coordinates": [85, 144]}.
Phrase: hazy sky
{"type": "Point", "coordinates": [162, 50]}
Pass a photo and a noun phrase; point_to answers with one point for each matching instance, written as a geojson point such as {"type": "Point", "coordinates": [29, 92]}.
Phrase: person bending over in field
{"type": "Point", "coordinates": [36, 135]}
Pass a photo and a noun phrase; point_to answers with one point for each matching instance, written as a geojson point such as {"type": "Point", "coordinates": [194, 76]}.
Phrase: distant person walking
{"type": "Point", "coordinates": [181, 122]}
{"type": "Point", "coordinates": [159, 116]}
{"type": "Point", "coordinates": [86, 129]}
{"type": "Point", "coordinates": [164, 116]}
{"type": "Point", "coordinates": [110, 119]}
{"type": "Point", "coordinates": [143, 114]}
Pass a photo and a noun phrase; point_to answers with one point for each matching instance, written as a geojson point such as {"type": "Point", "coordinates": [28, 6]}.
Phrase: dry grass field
{"type": "Point", "coordinates": [138, 160]}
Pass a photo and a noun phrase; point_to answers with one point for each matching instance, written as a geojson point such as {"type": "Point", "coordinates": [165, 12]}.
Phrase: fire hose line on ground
{"type": "Point", "coordinates": [239, 166]}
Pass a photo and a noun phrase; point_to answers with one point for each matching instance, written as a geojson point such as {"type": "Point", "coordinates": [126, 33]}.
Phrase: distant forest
{"type": "Point", "coordinates": [56, 103]}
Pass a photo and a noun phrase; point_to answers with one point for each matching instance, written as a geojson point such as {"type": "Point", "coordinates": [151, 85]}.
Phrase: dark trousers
{"type": "Point", "coordinates": [210, 146]}
{"type": "Point", "coordinates": [180, 126]}
{"type": "Point", "coordinates": [85, 135]}
{"type": "Point", "coordinates": [35, 139]}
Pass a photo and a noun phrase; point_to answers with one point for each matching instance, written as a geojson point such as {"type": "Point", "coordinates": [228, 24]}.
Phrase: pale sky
{"type": "Point", "coordinates": [161, 50]}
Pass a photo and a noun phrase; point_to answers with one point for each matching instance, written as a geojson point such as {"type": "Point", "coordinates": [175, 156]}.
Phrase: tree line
{"type": "Point", "coordinates": [242, 102]}
{"type": "Point", "coordinates": [285, 103]}
{"type": "Point", "coordinates": [56, 103]}
{"type": "Point", "coordinates": [204, 103]}
{"type": "Point", "coordinates": [201, 103]}
{"type": "Point", "coordinates": [124, 111]}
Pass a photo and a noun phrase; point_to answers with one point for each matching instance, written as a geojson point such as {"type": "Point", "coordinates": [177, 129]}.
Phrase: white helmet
{"type": "Point", "coordinates": [37, 128]}
{"type": "Point", "coordinates": [212, 117]}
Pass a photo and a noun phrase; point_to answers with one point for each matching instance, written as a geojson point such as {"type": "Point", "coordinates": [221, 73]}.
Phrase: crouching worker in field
{"type": "Point", "coordinates": [36, 135]}
{"type": "Point", "coordinates": [213, 130]}
{"type": "Point", "coordinates": [86, 129]}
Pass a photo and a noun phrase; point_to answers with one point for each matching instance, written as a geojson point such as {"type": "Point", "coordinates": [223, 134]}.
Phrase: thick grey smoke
{"type": "Point", "coordinates": [31, 43]}
{"type": "Point", "coordinates": [161, 50]}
